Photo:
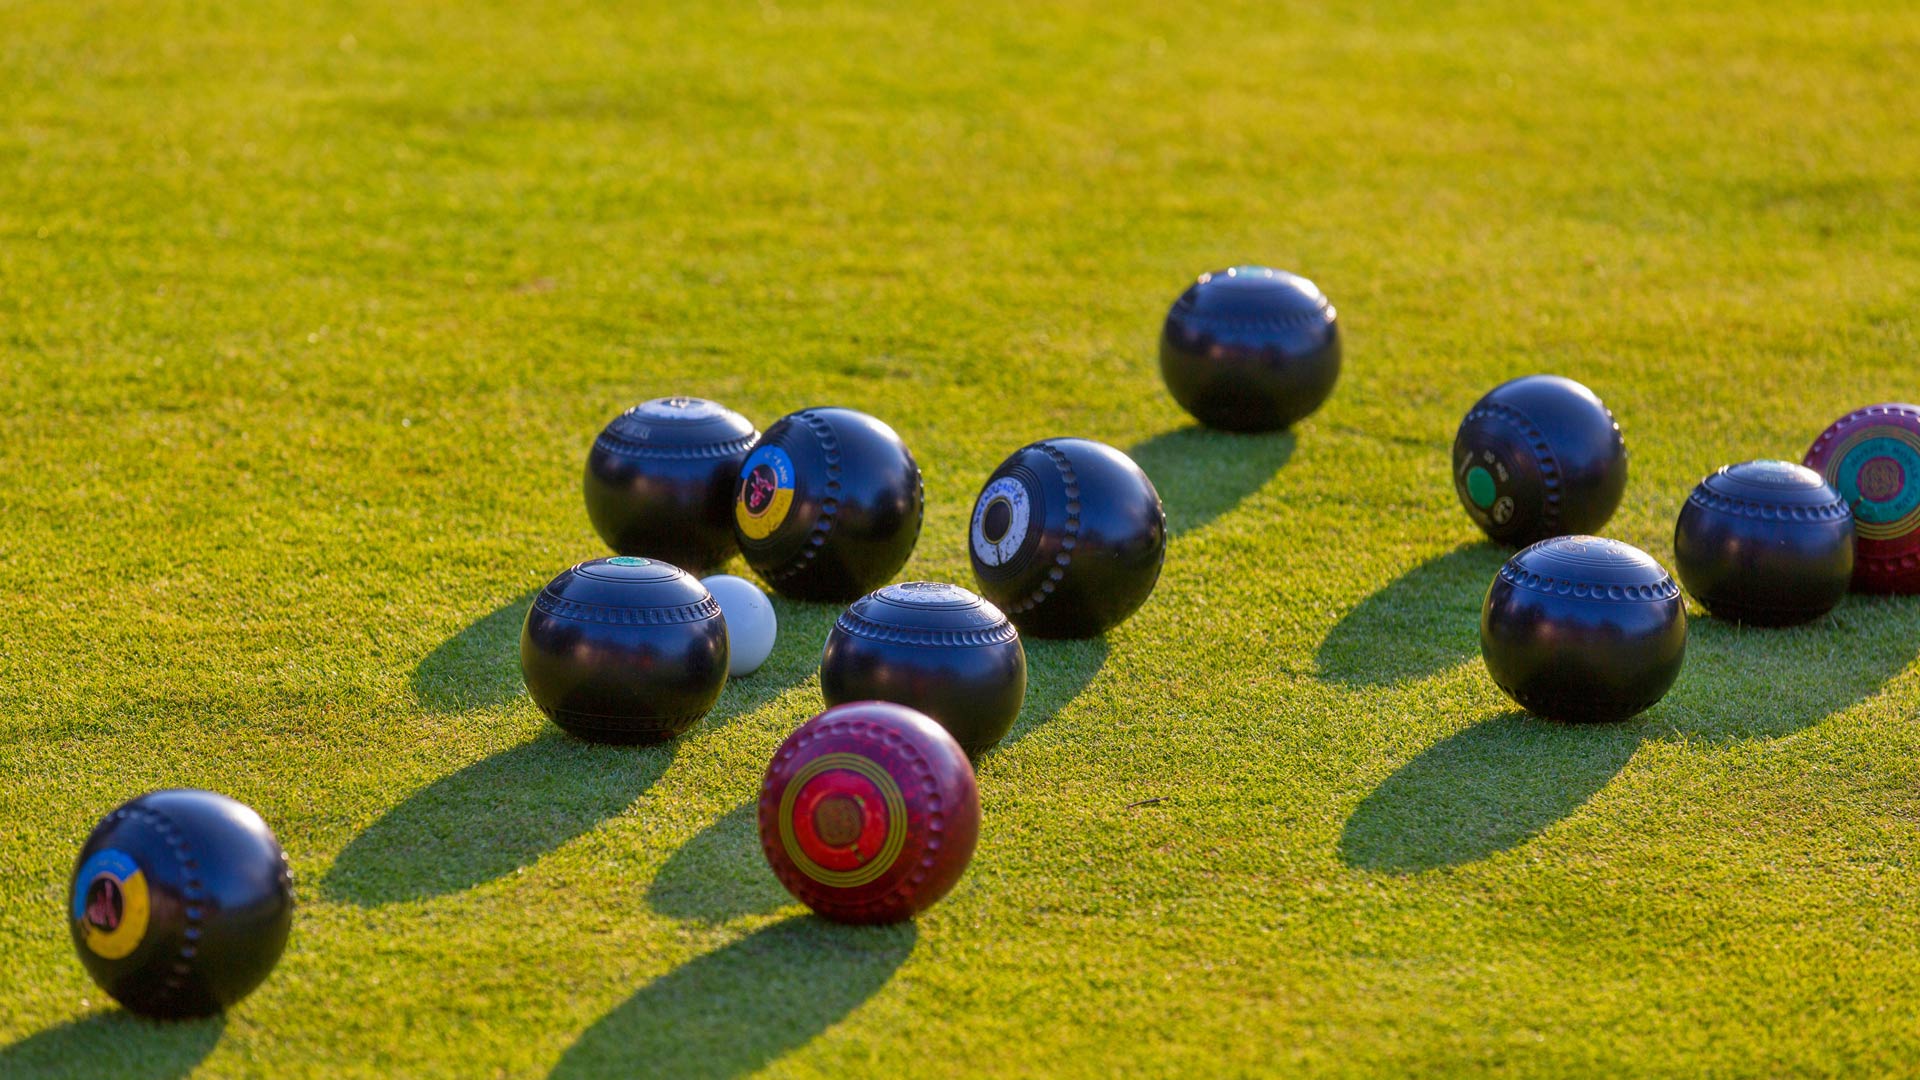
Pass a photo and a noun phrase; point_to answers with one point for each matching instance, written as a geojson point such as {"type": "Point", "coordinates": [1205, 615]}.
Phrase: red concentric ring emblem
{"type": "Point", "coordinates": [842, 820]}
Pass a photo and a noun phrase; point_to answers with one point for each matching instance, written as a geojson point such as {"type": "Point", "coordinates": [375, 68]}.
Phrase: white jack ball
{"type": "Point", "coordinates": [751, 625]}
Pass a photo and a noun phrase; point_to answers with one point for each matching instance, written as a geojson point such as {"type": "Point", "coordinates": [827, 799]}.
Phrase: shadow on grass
{"type": "Point", "coordinates": [507, 811]}
{"type": "Point", "coordinates": [1201, 474]}
{"type": "Point", "coordinates": [720, 874]}
{"type": "Point", "coordinates": [795, 657]}
{"type": "Point", "coordinates": [492, 817]}
{"type": "Point", "coordinates": [1750, 682]}
{"type": "Point", "coordinates": [742, 1007]}
{"type": "Point", "coordinates": [477, 667]}
{"type": "Point", "coordinates": [116, 1044]}
{"type": "Point", "coordinates": [1484, 790]}
{"type": "Point", "coordinates": [1058, 670]}
{"type": "Point", "coordinates": [1489, 788]}
{"type": "Point", "coordinates": [1425, 621]}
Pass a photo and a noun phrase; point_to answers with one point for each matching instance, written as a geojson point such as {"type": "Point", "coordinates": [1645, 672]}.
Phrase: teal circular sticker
{"type": "Point", "coordinates": [1480, 487]}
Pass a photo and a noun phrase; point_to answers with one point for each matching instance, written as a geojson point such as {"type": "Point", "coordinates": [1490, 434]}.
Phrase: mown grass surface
{"type": "Point", "coordinates": [308, 314]}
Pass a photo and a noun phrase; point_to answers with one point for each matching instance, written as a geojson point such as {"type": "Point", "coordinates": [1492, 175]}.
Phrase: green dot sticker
{"type": "Point", "coordinates": [1480, 487]}
{"type": "Point", "coordinates": [626, 560]}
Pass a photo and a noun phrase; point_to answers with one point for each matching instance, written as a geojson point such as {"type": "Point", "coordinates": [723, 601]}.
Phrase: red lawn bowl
{"type": "Point", "coordinates": [869, 813]}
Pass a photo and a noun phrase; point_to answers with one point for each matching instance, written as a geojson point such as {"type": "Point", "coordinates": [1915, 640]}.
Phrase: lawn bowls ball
{"type": "Point", "coordinates": [1250, 349]}
{"type": "Point", "coordinates": [937, 648]}
{"type": "Point", "coordinates": [624, 650]}
{"type": "Point", "coordinates": [180, 903]}
{"type": "Point", "coordinates": [660, 478]}
{"type": "Point", "coordinates": [1765, 542]}
{"type": "Point", "coordinates": [828, 506]}
{"type": "Point", "coordinates": [1067, 537]}
{"type": "Point", "coordinates": [1539, 456]}
{"type": "Point", "coordinates": [1579, 628]}
{"type": "Point", "coordinates": [752, 625]}
{"type": "Point", "coordinates": [869, 813]}
{"type": "Point", "coordinates": [1872, 458]}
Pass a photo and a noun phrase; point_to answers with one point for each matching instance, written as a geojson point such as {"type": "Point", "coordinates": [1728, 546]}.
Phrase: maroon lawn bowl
{"type": "Point", "coordinates": [869, 813]}
{"type": "Point", "coordinates": [1872, 457]}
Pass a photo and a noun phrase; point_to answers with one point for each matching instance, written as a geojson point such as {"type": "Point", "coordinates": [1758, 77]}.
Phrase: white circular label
{"type": "Point", "coordinates": [928, 593]}
{"type": "Point", "coordinates": [678, 408]}
{"type": "Point", "coordinates": [1000, 520]}
{"type": "Point", "coordinates": [1784, 474]}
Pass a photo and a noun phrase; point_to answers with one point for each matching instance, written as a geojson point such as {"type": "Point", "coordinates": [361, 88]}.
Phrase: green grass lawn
{"type": "Point", "coordinates": [309, 314]}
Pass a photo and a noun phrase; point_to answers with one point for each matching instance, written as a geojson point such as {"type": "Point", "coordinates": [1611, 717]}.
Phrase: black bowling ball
{"type": "Point", "coordinates": [936, 648]}
{"type": "Point", "coordinates": [660, 478]}
{"type": "Point", "coordinates": [828, 506]}
{"type": "Point", "coordinates": [1581, 628]}
{"type": "Point", "coordinates": [624, 650]}
{"type": "Point", "coordinates": [180, 903]}
{"type": "Point", "coordinates": [1765, 542]}
{"type": "Point", "coordinates": [1539, 456]}
{"type": "Point", "coordinates": [1250, 349]}
{"type": "Point", "coordinates": [1068, 537]}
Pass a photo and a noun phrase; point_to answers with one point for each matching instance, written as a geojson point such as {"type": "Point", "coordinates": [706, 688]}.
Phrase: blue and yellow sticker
{"type": "Point", "coordinates": [110, 903]}
{"type": "Point", "coordinates": [766, 492]}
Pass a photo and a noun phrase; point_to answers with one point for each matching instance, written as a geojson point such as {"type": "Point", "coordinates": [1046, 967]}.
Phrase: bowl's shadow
{"type": "Point", "coordinates": [1483, 790]}
{"type": "Point", "coordinates": [719, 875]}
{"type": "Point", "coordinates": [1201, 473]}
{"type": "Point", "coordinates": [803, 629]}
{"type": "Point", "coordinates": [1423, 622]}
{"type": "Point", "coordinates": [491, 818]}
{"type": "Point", "coordinates": [116, 1044]}
{"type": "Point", "coordinates": [1058, 671]}
{"type": "Point", "coordinates": [1490, 787]}
{"type": "Point", "coordinates": [739, 1008]}
{"type": "Point", "coordinates": [507, 811]}
{"type": "Point", "coordinates": [1750, 682]}
{"type": "Point", "coordinates": [478, 667]}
